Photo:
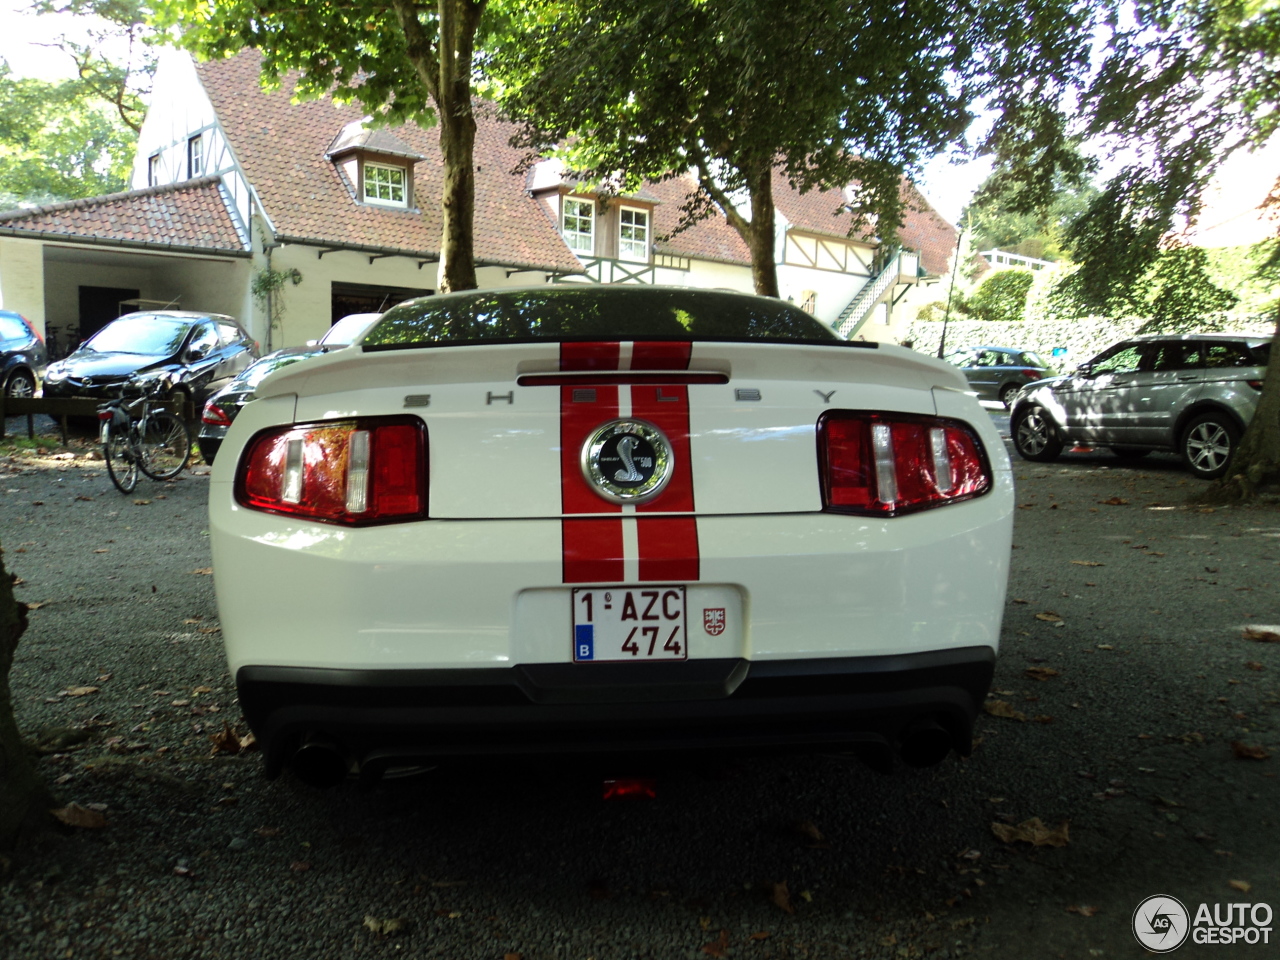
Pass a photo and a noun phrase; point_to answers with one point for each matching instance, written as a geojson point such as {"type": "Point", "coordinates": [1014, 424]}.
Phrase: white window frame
{"type": "Point", "coordinates": [391, 187]}
{"type": "Point", "coordinates": [633, 248]}
{"type": "Point", "coordinates": [153, 170]}
{"type": "Point", "coordinates": [578, 224]}
{"type": "Point", "coordinates": [195, 157]}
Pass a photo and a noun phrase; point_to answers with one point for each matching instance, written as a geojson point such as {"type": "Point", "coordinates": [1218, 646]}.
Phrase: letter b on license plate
{"type": "Point", "coordinates": [629, 623]}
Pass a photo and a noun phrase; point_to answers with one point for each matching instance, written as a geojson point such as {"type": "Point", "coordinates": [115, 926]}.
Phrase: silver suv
{"type": "Point", "coordinates": [1189, 393]}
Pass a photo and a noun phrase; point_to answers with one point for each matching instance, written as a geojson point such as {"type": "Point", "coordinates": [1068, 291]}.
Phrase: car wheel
{"type": "Point", "coordinates": [20, 384]}
{"type": "Point", "coordinates": [1208, 443]}
{"type": "Point", "coordinates": [1129, 453]}
{"type": "Point", "coordinates": [1034, 435]}
{"type": "Point", "coordinates": [1006, 394]}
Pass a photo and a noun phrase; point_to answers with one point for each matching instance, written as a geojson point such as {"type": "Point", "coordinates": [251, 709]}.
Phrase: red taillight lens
{"type": "Point", "coordinates": [352, 472]}
{"type": "Point", "coordinates": [886, 464]}
{"type": "Point", "coordinates": [1032, 374]}
{"type": "Point", "coordinates": [1256, 384]}
{"type": "Point", "coordinates": [214, 415]}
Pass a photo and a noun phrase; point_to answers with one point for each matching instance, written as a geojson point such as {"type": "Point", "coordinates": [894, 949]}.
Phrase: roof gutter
{"type": "Point", "coordinates": [147, 245]}
{"type": "Point", "coordinates": [423, 256]}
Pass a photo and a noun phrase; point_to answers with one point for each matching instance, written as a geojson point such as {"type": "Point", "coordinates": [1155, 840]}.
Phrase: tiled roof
{"type": "Point", "coordinates": [188, 215]}
{"type": "Point", "coordinates": [356, 136]}
{"type": "Point", "coordinates": [282, 146]}
{"type": "Point", "coordinates": [818, 211]}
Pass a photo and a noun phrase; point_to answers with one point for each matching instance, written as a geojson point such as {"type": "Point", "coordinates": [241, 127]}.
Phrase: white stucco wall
{"type": "Point", "coordinates": [22, 279]}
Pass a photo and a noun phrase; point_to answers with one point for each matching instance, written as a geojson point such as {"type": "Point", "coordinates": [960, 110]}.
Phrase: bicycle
{"type": "Point", "coordinates": [137, 437]}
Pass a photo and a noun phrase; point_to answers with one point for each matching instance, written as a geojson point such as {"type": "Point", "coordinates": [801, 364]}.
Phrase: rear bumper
{"type": "Point", "coordinates": [389, 716]}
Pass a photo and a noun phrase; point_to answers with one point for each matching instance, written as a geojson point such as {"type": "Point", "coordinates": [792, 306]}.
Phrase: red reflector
{"type": "Point", "coordinates": [886, 464]}
{"type": "Point", "coordinates": [1256, 384]}
{"type": "Point", "coordinates": [352, 472]}
{"type": "Point", "coordinates": [214, 415]}
{"type": "Point", "coordinates": [631, 788]}
{"type": "Point", "coordinates": [105, 414]}
{"type": "Point", "coordinates": [1033, 374]}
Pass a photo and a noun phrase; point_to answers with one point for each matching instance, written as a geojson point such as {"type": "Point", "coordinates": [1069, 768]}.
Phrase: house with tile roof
{"type": "Point", "coordinates": [238, 189]}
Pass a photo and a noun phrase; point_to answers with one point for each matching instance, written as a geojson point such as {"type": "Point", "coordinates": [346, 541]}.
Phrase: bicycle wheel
{"type": "Point", "coordinates": [122, 466]}
{"type": "Point", "coordinates": [164, 445]}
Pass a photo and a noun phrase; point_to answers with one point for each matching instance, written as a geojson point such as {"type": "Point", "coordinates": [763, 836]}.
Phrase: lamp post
{"type": "Point", "coordinates": [942, 344]}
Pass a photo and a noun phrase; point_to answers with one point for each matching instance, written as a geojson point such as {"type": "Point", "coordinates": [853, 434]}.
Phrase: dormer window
{"type": "Point", "coordinates": [633, 237]}
{"type": "Point", "coordinates": [385, 184]}
{"type": "Point", "coordinates": [195, 157]}
{"type": "Point", "coordinates": [578, 224]}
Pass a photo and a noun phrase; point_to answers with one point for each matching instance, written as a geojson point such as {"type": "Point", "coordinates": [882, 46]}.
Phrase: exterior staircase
{"type": "Point", "coordinates": [901, 268]}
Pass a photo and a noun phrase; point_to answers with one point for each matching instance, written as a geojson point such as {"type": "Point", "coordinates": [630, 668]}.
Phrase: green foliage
{"type": "Point", "coordinates": [1179, 295]}
{"type": "Point", "coordinates": [125, 85]}
{"type": "Point", "coordinates": [1241, 270]}
{"type": "Point", "coordinates": [1001, 222]}
{"type": "Point", "coordinates": [1183, 85]}
{"type": "Point", "coordinates": [829, 93]}
{"type": "Point", "coordinates": [1001, 296]}
{"type": "Point", "coordinates": [58, 141]}
{"type": "Point", "coordinates": [267, 286]}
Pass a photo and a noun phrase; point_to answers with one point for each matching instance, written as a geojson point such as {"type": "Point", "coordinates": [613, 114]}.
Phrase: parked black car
{"type": "Point", "coordinates": [201, 351]}
{"type": "Point", "coordinates": [22, 355]}
{"type": "Point", "coordinates": [997, 373]}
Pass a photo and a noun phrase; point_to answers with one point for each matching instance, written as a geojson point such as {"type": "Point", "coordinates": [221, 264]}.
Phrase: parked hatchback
{"type": "Point", "coordinates": [202, 352]}
{"type": "Point", "coordinates": [1190, 393]}
{"type": "Point", "coordinates": [22, 355]}
{"type": "Point", "coordinates": [997, 373]}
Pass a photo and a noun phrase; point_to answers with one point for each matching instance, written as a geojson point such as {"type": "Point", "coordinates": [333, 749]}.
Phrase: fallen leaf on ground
{"type": "Point", "coordinates": [807, 829]}
{"type": "Point", "coordinates": [1088, 563]}
{"type": "Point", "coordinates": [761, 935]}
{"type": "Point", "coordinates": [1003, 708]}
{"type": "Point", "coordinates": [1019, 600]}
{"type": "Point", "coordinates": [208, 629]}
{"type": "Point", "coordinates": [193, 619]}
{"type": "Point", "coordinates": [1084, 910]}
{"type": "Point", "coordinates": [103, 550]}
{"type": "Point", "coordinates": [1115, 501]}
{"type": "Point", "coordinates": [513, 956]}
{"type": "Point", "coordinates": [182, 870]}
{"type": "Point", "coordinates": [228, 741]}
{"type": "Point", "coordinates": [1049, 617]}
{"type": "Point", "coordinates": [80, 691]}
{"type": "Point", "coordinates": [718, 947]}
{"type": "Point", "coordinates": [204, 570]}
{"type": "Point", "coordinates": [384, 928]}
{"type": "Point", "coordinates": [890, 941]}
{"type": "Point", "coordinates": [1255, 665]}
{"type": "Point", "coordinates": [1242, 885]}
{"type": "Point", "coordinates": [300, 866]}
{"type": "Point", "coordinates": [1262, 636]}
{"type": "Point", "coordinates": [1040, 673]}
{"type": "Point", "coordinates": [1034, 832]}
{"type": "Point", "coordinates": [1249, 751]}
{"type": "Point", "coordinates": [141, 503]}
{"type": "Point", "coordinates": [782, 897]}
{"type": "Point", "coordinates": [37, 605]}
{"type": "Point", "coordinates": [267, 831]}
{"type": "Point", "coordinates": [74, 815]}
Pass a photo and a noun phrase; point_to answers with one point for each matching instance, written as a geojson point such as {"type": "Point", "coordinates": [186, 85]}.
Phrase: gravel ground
{"type": "Point", "coordinates": [1137, 601]}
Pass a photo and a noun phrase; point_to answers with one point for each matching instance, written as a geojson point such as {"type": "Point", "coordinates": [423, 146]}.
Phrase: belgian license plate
{"type": "Point", "coordinates": [629, 623]}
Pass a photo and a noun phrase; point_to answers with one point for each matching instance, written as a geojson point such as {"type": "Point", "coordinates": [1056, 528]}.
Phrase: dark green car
{"type": "Point", "coordinates": [997, 373]}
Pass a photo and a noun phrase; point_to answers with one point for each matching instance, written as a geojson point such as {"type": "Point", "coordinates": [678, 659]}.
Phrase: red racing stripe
{"type": "Point", "coordinates": [589, 356]}
{"type": "Point", "coordinates": [661, 355]}
{"type": "Point", "coordinates": [668, 548]}
{"type": "Point", "coordinates": [592, 549]}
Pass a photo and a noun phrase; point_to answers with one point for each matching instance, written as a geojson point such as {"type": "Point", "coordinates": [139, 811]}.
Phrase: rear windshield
{"type": "Point", "coordinates": [592, 313]}
{"type": "Point", "coordinates": [259, 371]}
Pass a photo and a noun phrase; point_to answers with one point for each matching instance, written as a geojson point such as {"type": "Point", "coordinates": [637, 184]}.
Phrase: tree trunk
{"type": "Point", "coordinates": [458, 22]}
{"type": "Point", "coordinates": [760, 237]}
{"type": "Point", "coordinates": [22, 792]}
{"type": "Point", "coordinates": [1257, 460]}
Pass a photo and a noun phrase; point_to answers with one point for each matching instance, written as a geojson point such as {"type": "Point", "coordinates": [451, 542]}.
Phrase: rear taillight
{"type": "Point", "coordinates": [885, 464]}
{"type": "Point", "coordinates": [353, 472]}
{"type": "Point", "coordinates": [214, 415]}
{"type": "Point", "coordinates": [1256, 384]}
{"type": "Point", "coordinates": [1032, 374]}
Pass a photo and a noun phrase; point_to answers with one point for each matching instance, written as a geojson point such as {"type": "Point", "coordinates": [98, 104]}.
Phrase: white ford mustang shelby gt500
{"type": "Point", "coordinates": [583, 519]}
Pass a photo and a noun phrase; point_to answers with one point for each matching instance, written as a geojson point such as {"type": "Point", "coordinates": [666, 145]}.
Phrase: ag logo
{"type": "Point", "coordinates": [1161, 923]}
{"type": "Point", "coordinates": [627, 461]}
